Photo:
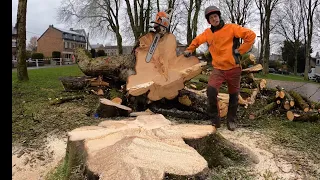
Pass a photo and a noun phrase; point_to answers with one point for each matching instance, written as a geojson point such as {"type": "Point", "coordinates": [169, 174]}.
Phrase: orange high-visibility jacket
{"type": "Point", "coordinates": [221, 44]}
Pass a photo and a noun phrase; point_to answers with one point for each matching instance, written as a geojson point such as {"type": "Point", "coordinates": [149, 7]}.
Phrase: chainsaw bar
{"type": "Point", "coordinates": [153, 47]}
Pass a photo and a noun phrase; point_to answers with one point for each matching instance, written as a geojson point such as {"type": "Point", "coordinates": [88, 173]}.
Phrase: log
{"type": "Point", "coordinates": [166, 73]}
{"type": "Point", "coordinates": [147, 147]}
{"type": "Point", "coordinates": [289, 100]}
{"type": "Point", "coordinates": [108, 108]}
{"type": "Point", "coordinates": [114, 68]}
{"type": "Point", "coordinates": [75, 83]}
{"type": "Point", "coordinates": [61, 100]}
{"type": "Point", "coordinates": [263, 110]}
{"type": "Point", "coordinates": [247, 60]}
{"type": "Point", "coordinates": [304, 117]}
{"type": "Point", "coordinates": [300, 102]}
{"type": "Point", "coordinates": [253, 69]}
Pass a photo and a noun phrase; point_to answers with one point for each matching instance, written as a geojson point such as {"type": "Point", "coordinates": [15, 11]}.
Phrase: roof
{"type": "Point", "coordinates": [80, 31]}
{"type": "Point", "coordinates": [68, 31]}
{"type": "Point", "coordinates": [96, 46]}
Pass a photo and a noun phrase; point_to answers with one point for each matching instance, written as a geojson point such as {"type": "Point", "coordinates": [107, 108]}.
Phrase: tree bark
{"type": "Point", "coordinates": [22, 72]}
{"type": "Point", "coordinates": [112, 68]}
{"type": "Point", "coordinates": [299, 100]}
{"type": "Point", "coordinates": [263, 110]}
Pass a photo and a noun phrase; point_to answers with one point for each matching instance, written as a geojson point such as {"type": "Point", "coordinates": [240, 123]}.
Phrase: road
{"type": "Point", "coordinates": [310, 90]}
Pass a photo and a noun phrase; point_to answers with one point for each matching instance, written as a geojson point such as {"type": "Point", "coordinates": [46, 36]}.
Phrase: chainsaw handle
{"type": "Point", "coordinates": [158, 24]}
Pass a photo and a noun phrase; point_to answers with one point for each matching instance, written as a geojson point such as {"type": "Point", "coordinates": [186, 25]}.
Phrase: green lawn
{"type": "Point", "coordinates": [282, 77]}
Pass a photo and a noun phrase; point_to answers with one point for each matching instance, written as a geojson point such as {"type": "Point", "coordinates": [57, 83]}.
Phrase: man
{"type": "Point", "coordinates": [225, 52]}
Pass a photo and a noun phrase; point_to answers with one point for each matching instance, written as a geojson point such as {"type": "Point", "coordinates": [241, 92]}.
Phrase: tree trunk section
{"type": "Point", "coordinates": [111, 68]}
{"type": "Point", "coordinates": [299, 100]}
{"type": "Point", "coordinates": [166, 73]}
{"type": "Point", "coordinates": [146, 147]}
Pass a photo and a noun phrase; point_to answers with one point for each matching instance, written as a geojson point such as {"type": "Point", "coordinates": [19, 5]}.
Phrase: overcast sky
{"type": "Point", "coordinates": [42, 13]}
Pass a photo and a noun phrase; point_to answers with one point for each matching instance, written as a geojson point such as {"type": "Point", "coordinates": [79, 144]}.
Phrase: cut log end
{"type": "Point", "coordinates": [290, 115]}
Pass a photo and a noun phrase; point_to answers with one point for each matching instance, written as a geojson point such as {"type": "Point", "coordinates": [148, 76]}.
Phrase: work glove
{"type": "Point", "coordinates": [187, 53]}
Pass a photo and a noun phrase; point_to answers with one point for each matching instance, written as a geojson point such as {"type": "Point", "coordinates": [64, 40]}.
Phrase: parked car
{"type": "Point", "coordinates": [272, 70]}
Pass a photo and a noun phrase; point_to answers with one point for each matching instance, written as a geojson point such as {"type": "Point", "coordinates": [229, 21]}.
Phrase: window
{"type": "Point", "coordinates": [65, 45]}
{"type": "Point", "coordinates": [318, 62]}
{"type": "Point", "coordinates": [74, 37]}
{"type": "Point", "coordinates": [69, 45]}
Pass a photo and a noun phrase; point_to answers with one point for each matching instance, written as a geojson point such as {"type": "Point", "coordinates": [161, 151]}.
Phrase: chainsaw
{"type": "Point", "coordinates": [161, 27]}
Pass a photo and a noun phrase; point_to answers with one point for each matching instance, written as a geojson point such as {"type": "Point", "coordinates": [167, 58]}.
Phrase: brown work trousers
{"type": "Point", "coordinates": [232, 77]}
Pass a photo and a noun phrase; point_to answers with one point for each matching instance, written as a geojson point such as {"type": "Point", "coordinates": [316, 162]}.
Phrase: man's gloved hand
{"type": "Point", "coordinates": [187, 53]}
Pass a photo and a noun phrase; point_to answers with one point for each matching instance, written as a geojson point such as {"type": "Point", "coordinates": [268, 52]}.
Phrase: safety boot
{"type": "Point", "coordinates": [232, 112]}
{"type": "Point", "coordinates": [213, 108]}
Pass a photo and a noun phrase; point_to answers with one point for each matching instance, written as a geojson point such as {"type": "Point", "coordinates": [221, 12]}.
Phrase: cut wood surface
{"type": "Point", "coordinates": [108, 108]}
{"type": "Point", "coordinates": [147, 147]}
{"type": "Point", "coordinates": [166, 73]}
{"type": "Point", "coordinates": [255, 68]}
{"type": "Point", "coordinates": [304, 116]}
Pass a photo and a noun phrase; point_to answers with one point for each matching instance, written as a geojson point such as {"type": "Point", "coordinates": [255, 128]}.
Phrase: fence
{"type": "Point", "coordinates": [41, 62]}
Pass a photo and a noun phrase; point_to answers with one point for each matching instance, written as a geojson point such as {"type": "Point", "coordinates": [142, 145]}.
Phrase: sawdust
{"type": "Point", "coordinates": [34, 164]}
{"type": "Point", "coordinates": [274, 161]}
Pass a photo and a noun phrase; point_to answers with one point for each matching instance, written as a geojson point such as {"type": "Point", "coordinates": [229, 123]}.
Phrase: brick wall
{"type": "Point", "coordinates": [50, 41]}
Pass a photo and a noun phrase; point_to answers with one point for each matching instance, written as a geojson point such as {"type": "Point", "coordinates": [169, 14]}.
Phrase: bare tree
{"type": "Point", "coordinates": [266, 8]}
{"type": "Point", "coordinates": [22, 71]}
{"type": "Point", "coordinates": [290, 27]}
{"type": "Point", "coordinates": [102, 16]}
{"type": "Point", "coordinates": [308, 9]}
{"type": "Point", "coordinates": [238, 11]}
{"type": "Point", "coordinates": [33, 44]}
{"type": "Point", "coordinates": [193, 10]}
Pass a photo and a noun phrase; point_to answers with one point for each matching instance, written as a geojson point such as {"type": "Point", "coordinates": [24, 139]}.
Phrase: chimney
{"type": "Point", "coordinates": [71, 29]}
{"type": "Point", "coordinates": [51, 25]}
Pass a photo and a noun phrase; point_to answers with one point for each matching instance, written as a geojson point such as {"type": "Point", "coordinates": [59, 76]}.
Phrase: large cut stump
{"type": "Point", "coordinates": [166, 73]}
{"type": "Point", "coordinates": [147, 147]}
{"type": "Point", "coordinates": [116, 68]}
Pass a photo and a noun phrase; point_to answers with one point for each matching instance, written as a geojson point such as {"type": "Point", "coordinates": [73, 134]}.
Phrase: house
{"type": "Point", "coordinates": [64, 41]}
{"type": "Point", "coordinates": [14, 42]}
{"type": "Point", "coordinates": [113, 50]}
{"type": "Point", "coordinates": [275, 57]}
{"type": "Point", "coordinates": [97, 47]}
{"type": "Point", "coordinates": [315, 61]}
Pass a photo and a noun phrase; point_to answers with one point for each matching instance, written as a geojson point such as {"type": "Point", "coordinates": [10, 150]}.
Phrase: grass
{"type": "Point", "coordinates": [281, 77]}
{"type": "Point", "coordinates": [32, 116]}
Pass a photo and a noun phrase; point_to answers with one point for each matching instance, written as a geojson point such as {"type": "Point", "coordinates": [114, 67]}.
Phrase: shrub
{"type": "Point", "coordinates": [101, 53]}
{"type": "Point", "coordinates": [37, 56]}
{"type": "Point", "coordinates": [56, 54]}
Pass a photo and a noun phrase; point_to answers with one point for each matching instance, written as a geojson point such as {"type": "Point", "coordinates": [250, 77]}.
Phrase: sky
{"type": "Point", "coordinates": [42, 13]}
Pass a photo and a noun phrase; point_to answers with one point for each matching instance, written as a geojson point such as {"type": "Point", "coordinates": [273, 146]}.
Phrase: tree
{"type": "Point", "coordinates": [100, 53]}
{"type": "Point", "coordinates": [288, 49]}
{"type": "Point", "coordinates": [266, 8]}
{"type": "Point", "coordinates": [22, 71]}
{"type": "Point", "coordinates": [238, 11]}
{"type": "Point", "coordinates": [308, 9]}
{"type": "Point", "coordinates": [192, 21]}
{"type": "Point", "coordinates": [101, 16]}
{"type": "Point", "coordinates": [33, 44]}
{"type": "Point", "coordinates": [290, 27]}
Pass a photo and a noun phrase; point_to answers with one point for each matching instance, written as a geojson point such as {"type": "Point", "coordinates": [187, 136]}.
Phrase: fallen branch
{"type": "Point", "coordinates": [61, 100]}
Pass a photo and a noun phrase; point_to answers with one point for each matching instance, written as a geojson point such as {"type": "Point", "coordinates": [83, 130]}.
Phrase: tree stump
{"type": "Point", "coordinates": [147, 147]}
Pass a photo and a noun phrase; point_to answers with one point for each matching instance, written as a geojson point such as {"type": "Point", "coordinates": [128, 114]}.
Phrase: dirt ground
{"type": "Point", "coordinates": [29, 164]}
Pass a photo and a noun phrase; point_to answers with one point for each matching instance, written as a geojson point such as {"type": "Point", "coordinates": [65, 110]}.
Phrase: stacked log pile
{"type": "Point", "coordinates": [295, 106]}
